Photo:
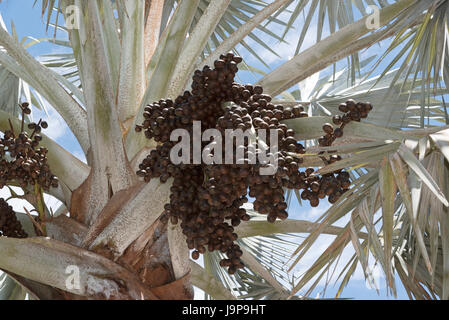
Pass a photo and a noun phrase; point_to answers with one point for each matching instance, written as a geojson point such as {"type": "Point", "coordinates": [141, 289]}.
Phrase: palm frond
{"type": "Point", "coordinates": [422, 54]}
{"type": "Point", "coordinates": [268, 281]}
{"type": "Point", "coordinates": [395, 108]}
{"type": "Point", "coordinates": [238, 13]}
{"type": "Point", "coordinates": [13, 89]}
{"type": "Point", "coordinates": [334, 14]}
{"type": "Point", "coordinates": [408, 232]}
{"type": "Point", "coordinates": [350, 39]}
{"type": "Point", "coordinates": [10, 289]}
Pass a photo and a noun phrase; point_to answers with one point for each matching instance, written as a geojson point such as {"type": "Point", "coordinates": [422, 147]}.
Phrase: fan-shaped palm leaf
{"type": "Point", "coordinates": [423, 56]}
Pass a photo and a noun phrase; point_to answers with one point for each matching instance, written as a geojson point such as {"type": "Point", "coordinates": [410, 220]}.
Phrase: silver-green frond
{"type": "Point", "coordinates": [420, 51]}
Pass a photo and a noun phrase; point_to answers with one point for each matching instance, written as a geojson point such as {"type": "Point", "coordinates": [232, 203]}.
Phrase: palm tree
{"type": "Point", "coordinates": [126, 54]}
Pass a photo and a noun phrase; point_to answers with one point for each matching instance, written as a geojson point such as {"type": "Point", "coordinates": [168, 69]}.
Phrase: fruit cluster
{"type": "Point", "coordinates": [353, 111]}
{"type": "Point", "coordinates": [22, 160]}
{"type": "Point", "coordinates": [207, 198]}
{"type": "Point", "coordinates": [333, 185]}
{"type": "Point", "coordinates": [9, 225]}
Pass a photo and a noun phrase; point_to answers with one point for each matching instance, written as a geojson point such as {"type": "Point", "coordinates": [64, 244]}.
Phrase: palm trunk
{"type": "Point", "coordinates": [114, 218]}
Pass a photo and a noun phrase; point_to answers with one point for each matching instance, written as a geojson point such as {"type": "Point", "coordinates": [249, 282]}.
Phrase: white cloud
{"type": "Point", "coordinates": [314, 213]}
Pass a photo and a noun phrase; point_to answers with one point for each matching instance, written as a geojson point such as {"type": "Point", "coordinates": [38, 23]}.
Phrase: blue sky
{"type": "Point", "coordinates": [28, 22]}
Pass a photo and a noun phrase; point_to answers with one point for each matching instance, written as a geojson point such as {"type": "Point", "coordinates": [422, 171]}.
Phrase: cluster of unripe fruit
{"type": "Point", "coordinates": [333, 185]}
{"type": "Point", "coordinates": [207, 198]}
{"type": "Point", "coordinates": [352, 111]}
